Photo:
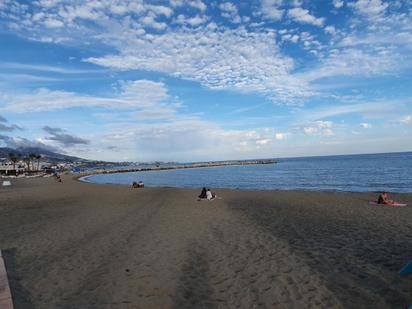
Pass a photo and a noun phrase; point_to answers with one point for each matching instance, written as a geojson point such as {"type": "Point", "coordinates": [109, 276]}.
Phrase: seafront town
{"type": "Point", "coordinates": [22, 169]}
{"type": "Point", "coordinates": [33, 165]}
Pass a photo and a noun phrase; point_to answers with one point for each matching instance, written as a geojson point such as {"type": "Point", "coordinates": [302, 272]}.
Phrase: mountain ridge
{"type": "Point", "coordinates": [47, 155]}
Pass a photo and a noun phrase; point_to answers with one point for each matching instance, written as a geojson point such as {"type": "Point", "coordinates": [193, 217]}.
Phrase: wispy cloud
{"type": "Point", "coordinates": [132, 95]}
{"type": "Point", "coordinates": [45, 68]}
{"type": "Point", "coordinates": [369, 109]}
{"type": "Point", "coordinates": [17, 77]}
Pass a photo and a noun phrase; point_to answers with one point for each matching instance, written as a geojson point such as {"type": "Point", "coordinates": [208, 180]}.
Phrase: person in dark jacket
{"type": "Point", "coordinates": [203, 193]}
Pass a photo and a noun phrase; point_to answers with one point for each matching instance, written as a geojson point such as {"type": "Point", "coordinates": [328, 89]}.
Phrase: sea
{"type": "Point", "coordinates": [390, 172]}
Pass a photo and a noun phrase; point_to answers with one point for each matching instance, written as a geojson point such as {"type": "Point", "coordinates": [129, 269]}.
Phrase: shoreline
{"type": "Point", "coordinates": [79, 179]}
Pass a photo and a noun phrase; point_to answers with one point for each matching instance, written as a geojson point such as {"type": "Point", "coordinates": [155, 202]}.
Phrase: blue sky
{"type": "Point", "coordinates": [192, 80]}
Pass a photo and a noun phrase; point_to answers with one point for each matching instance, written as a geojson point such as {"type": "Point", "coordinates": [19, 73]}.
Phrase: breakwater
{"type": "Point", "coordinates": [174, 167]}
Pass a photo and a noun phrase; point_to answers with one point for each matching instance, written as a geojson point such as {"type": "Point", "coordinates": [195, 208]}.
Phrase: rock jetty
{"type": "Point", "coordinates": [180, 166]}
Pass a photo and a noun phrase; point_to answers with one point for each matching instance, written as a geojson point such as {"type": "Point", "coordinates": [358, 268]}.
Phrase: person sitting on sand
{"type": "Point", "coordinates": [210, 195]}
{"type": "Point", "coordinates": [203, 193]}
{"type": "Point", "coordinates": [139, 184]}
{"type": "Point", "coordinates": [384, 199]}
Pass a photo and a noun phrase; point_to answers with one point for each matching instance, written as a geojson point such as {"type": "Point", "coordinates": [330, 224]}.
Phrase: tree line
{"type": "Point", "coordinates": [28, 160]}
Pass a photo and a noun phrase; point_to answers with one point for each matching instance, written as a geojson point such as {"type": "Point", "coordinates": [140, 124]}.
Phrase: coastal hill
{"type": "Point", "coordinates": [47, 155]}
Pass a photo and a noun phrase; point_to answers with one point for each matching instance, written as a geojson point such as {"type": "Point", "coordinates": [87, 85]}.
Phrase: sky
{"type": "Point", "coordinates": [196, 80]}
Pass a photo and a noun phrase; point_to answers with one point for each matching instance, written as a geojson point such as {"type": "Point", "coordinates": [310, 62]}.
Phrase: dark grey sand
{"type": "Point", "coordinates": [78, 245]}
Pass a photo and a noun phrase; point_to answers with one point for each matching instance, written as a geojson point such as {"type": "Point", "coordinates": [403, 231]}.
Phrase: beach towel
{"type": "Point", "coordinates": [390, 205]}
{"type": "Point", "coordinates": [407, 269]}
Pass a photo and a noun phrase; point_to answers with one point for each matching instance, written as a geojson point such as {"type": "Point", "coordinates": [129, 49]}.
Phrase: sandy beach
{"type": "Point", "coordinates": [80, 245]}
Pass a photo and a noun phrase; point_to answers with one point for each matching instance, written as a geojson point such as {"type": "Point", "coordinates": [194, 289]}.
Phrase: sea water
{"type": "Point", "coordinates": [354, 173]}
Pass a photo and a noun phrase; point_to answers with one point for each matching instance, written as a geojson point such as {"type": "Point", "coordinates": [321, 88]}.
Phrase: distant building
{"type": "Point", "coordinates": [8, 169]}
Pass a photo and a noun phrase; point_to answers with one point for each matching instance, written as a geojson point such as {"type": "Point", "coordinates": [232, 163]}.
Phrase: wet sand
{"type": "Point", "coordinates": [79, 245]}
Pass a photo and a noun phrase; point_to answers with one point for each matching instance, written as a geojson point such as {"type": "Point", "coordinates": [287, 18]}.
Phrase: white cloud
{"type": "Point", "coordinates": [263, 141]}
{"type": "Point", "coordinates": [134, 95]}
{"type": "Point", "coordinates": [375, 45]}
{"type": "Point", "coordinates": [206, 55]}
{"type": "Point", "coordinates": [369, 7]}
{"type": "Point", "coordinates": [191, 21]}
{"type": "Point", "coordinates": [366, 125]}
{"type": "Point", "coordinates": [70, 13]}
{"type": "Point", "coordinates": [53, 23]}
{"type": "Point", "coordinates": [198, 4]}
{"type": "Point", "coordinates": [338, 3]}
{"type": "Point", "coordinates": [150, 21]}
{"type": "Point", "coordinates": [189, 139]}
{"type": "Point", "coordinates": [228, 7]}
{"type": "Point", "coordinates": [18, 78]}
{"type": "Point", "coordinates": [310, 130]}
{"type": "Point", "coordinates": [382, 33]}
{"type": "Point", "coordinates": [160, 133]}
{"type": "Point", "coordinates": [406, 120]}
{"type": "Point", "coordinates": [297, 3]}
{"type": "Point", "coordinates": [44, 68]}
{"type": "Point", "coordinates": [138, 31]}
{"type": "Point", "coordinates": [330, 29]}
{"type": "Point", "coordinates": [303, 16]}
{"type": "Point", "coordinates": [270, 9]}
{"type": "Point", "coordinates": [281, 136]}
{"type": "Point", "coordinates": [161, 10]}
{"type": "Point", "coordinates": [229, 10]}
{"type": "Point", "coordinates": [290, 37]}
{"type": "Point", "coordinates": [319, 127]}
{"type": "Point", "coordinates": [368, 109]}
{"type": "Point", "coordinates": [328, 132]}
{"type": "Point", "coordinates": [47, 3]}
{"type": "Point", "coordinates": [354, 62]}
